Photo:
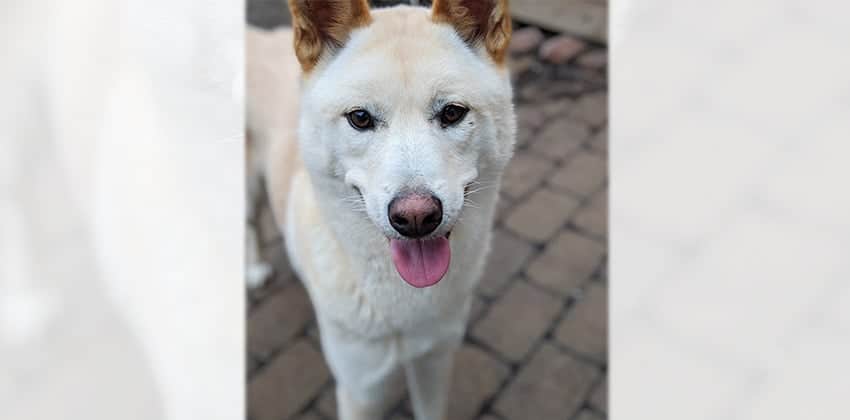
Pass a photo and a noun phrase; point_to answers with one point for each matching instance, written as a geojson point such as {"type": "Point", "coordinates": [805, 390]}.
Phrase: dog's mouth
{"type": "Point", "coordinates": [421, 262]}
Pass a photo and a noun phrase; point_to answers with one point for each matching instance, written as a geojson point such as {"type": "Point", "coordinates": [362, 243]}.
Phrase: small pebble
{"type": "Point", "coordinates": [595, 59]}
{"type": "Point", "coordinates": [560, 49]}
{"type": "Point", "coordinates": [525, 40]}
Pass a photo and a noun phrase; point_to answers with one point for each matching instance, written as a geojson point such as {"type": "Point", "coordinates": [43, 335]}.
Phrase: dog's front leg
{"type": "Point", "coordinates": [428, 380]}
{"type": "Point", "coordinates": [367, 372]}
{"type": "Point", "coordinates": [369, 404]}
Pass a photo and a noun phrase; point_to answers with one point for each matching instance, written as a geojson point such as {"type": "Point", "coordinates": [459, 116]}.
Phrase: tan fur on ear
{"type": "Point", "coordinates": [478, 21]}
{"type": "Point", "coordinates": [321, 24]}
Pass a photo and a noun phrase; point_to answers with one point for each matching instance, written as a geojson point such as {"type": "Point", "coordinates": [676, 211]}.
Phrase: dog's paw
{"type": "Point", "coordinates": [257, 271]}
{"type": "Point", "coordinates": [256, 274]}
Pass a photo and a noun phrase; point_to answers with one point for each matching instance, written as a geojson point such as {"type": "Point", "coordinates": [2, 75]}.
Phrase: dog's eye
{"type": "Point", "coordinates": [360, 119]}
{"type": "Point", "coordinates": [452, 114]}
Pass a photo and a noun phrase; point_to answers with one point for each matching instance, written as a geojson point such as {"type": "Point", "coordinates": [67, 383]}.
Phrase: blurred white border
{"type": "Point", "coordinates": [121, 293]}
{"type": "Point", "coordinates": [731, 283]}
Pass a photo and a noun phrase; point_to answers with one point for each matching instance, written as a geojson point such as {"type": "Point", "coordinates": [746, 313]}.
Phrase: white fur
{"type": "Point", "coordinates": [402, 68]}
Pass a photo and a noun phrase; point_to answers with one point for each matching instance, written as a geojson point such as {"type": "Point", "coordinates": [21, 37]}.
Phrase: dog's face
{"type": "Point", "coordinates": [408, 111]}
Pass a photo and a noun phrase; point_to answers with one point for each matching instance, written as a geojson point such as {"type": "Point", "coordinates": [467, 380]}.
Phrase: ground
{"type": "Point", "coordinates": [536, 346]}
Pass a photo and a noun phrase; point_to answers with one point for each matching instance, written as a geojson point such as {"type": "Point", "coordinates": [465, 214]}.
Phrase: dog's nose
{"type": "Point", "coordinates": [415, 215]}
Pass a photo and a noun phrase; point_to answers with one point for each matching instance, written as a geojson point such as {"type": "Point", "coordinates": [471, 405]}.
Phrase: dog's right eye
{"type": "Point", "coordinates": [360, 119]}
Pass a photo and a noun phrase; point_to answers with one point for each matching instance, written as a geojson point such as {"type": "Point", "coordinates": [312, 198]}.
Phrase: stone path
{"type": "Point", "coordinates": [536, 347]}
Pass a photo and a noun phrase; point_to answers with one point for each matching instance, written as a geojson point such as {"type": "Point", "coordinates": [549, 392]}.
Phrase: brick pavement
{"type": "Point", "coordinates": [537, 340]}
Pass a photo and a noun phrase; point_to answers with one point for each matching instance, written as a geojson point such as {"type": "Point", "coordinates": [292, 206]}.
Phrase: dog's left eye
{"type": "Point", "coordinates": [360, 119]}
{"type": "Point", "coordinates": [452, 114]}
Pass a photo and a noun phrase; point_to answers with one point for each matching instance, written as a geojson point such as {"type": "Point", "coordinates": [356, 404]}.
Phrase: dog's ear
{"type": "Point", "coordinates": [478, 22]}
{"type": "Point", "coordinates": [319, 25]}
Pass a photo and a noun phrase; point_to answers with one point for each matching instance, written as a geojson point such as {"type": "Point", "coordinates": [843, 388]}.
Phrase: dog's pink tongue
{"type": "Point", "coordinates": [421, 263]}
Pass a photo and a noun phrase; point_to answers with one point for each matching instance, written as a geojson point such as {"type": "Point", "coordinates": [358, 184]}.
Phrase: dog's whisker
{"type": "Point", "coordinates": [478, 188]}
{"type": "Point", "coordinates": [354, 203]}
{"type": "Point", "coordinates": [466, 193]}
{"type": "Point", "coordinates": [481, 183]}
{"type": "Point", "coordinates": [471, 204]}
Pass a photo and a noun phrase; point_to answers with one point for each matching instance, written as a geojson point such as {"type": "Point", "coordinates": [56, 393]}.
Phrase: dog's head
{"type": "Point", "coordinates": [409, 110]}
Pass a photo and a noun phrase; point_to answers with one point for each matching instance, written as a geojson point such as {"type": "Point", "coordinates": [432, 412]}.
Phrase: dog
{"type": "Point", "coordinates": [383, 176]}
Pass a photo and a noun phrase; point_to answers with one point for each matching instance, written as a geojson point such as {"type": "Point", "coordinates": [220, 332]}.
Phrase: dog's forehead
{"type": "Point", "coordinates": [404, 47]}
{"type": "Point", "coordinates": [402, 28]}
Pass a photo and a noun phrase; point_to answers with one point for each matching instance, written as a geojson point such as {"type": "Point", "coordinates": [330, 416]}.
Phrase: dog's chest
{"type": "Point", "coordinates": [376, 303]}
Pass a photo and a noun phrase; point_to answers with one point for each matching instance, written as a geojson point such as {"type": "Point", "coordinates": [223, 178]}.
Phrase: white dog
{"type": "Point", "coordinates": [386, 191]}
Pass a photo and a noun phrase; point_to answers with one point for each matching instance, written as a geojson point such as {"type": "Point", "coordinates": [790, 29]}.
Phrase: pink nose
{"type": "Point", "coordinates": [415, 215]}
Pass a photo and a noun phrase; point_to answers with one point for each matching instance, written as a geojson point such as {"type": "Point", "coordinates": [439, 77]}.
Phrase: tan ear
{"type": "Point", "coordinates": [319, 25]}
{"type": "Point", "coordinates": [478, 22]}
